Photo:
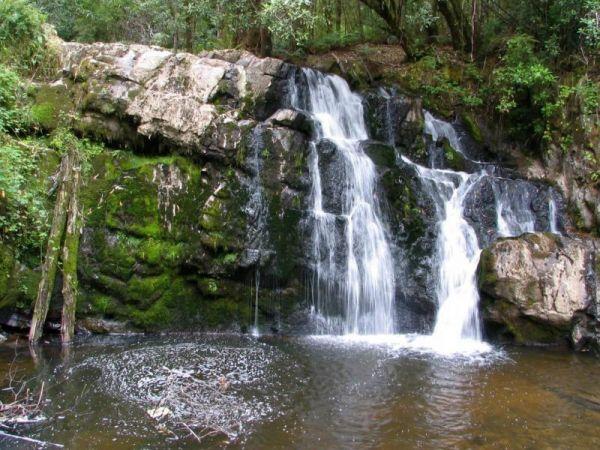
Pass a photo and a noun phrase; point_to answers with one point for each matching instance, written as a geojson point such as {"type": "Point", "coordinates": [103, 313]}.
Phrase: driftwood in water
{"type": "Point", "coordinates": [49, 267]}
{"type": "Point", "coordinates": [64, 234]}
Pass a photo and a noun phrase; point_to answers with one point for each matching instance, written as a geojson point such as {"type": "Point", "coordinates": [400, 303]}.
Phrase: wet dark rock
{"type": "Point", "coordinates": [296, 120]}
{"type": "Point", "coordinates": [396, 120]}
{"type": "Point", "coordinates": [102, 326]}
{"type": "Point", "coordinates": [411, 215]}
{"type": "Point", "coordinates": [332, 167]}
{"type": "Point", "coordinates": [14, 320]}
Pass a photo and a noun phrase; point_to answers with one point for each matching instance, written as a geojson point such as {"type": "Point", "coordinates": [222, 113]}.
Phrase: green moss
{"type": "Point", "coordinates": [146, 290]}
{"type": "Point", "coordinates": [230, 258]}
{"type": "Point", "coordinates": [176, 307]}
{"type": "Point", "coordinates": [160, 253]}
{"type": "Point", "coordinates": [382, 155]}
{"type": "Point", "coordinates": [157, 316]}
{"type": "Point", "coordinates": [454, 159]}
{"type": "Point", "coordinates": [102, 304]}
{"type": "Point", "coordinates": [486, 272]}
{"type": "Point", "coordinates": [472, 127]}
{"type": "Point", "coordinates": [208, 286]}
{"type": "Point", "coordinates": [225, 312]}
{"type": "Point", "coordinates": [50, 103]}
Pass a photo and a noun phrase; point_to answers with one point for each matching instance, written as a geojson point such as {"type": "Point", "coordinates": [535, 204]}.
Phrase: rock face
{"type": "Point", "coordinates": [543, 288]}
{"type": "Point", "coordinates": [138, 93]}
{"type": "Point", "coordinates": [205, 196]}
{"type": "Point", "coordinates": [207, 200]}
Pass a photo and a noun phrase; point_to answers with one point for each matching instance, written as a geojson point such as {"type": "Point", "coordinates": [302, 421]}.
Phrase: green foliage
{"type": "Point", "coordinates": [63, 140]}
{"type": "Point", "coordinates": [525, 88]}
{"type": "Point", "coordinates": [22, 38]}
{"type": "Point", "coordinates": [590, 25]}
{"type": "Point", "coordinates": [290, 21]}
{"type": "Point", "coordinates": [23, 209]}
{"type": "Point", "coordinates": [13, 102]}
{"type": "Point", "coordinates": [444, 82]}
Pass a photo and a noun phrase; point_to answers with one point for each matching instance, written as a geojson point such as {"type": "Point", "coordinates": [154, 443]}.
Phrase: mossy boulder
{"type": "Point", "coordinates": [51, 104]}
{"type": "Point", "coordinates": [539, 287]}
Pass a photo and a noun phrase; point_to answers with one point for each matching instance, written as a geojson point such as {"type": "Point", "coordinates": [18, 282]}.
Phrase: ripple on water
{"type": "Point", "coordinates": [150, 376]}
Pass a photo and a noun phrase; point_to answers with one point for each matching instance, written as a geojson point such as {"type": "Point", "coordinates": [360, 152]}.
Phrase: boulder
{"type": "Point", "coordinates": [542, 288]}
{"type": "Point", "coordinates": [144, 94]}
{"type": "Point", "coordinates": [102, 326]}
{"type": "Point", "coordinates": [296, 120]}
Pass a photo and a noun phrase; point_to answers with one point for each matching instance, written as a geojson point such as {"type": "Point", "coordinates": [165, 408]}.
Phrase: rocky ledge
{"type": "Point", "coordinates": [543, 289]}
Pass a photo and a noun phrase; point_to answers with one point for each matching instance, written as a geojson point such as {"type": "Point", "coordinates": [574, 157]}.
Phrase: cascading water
{"type": "Point", "coordinates": [353, 285]}
{"type": "Point", "coordinates": [457, 248]}
{"type": "Point", "coordinates": [514, 215]}
{"type": "Point", "coordinates": [456, 258]}
{"type": "Point", "coordinates": [353, 268]}
{"type": "Point", "coordinates": [256, 210]}
{"type": "Point", "coordinates": [553, 215]}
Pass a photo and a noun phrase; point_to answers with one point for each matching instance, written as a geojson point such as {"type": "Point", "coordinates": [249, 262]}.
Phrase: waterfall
{"type": "Point", "coordinates": [353, 285]}
{"type": "Point", "coordinates": [255, 329]}
{"type": "Point", "coordinates": [457, 247]}
{"type": "Point", "coordinates": [456, 256]}
{"type": "Point", "coordinates": [552, 215]}
{"type": "Point", "coordinates": [256, 211]}
{"type": "Point", "coordinates": [513, 211]}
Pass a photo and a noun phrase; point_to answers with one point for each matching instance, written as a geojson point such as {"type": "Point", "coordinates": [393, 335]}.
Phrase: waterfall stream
{"type": "Point", "coordinates": [256, 210]}
{"type": "Point", "coordinates": [354, 269]}
{"type": "Point", "coordinates": [353, 286]}
{"type": "Point", "coordinates": [458, 250]}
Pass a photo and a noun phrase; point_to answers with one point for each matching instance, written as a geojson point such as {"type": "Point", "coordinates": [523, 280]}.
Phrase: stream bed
{"type": "Point", "coordinates": [308, 393]}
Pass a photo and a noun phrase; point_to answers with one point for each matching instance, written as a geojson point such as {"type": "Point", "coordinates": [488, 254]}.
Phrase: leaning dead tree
{"type": "Point", "coordinates": [63, 244]}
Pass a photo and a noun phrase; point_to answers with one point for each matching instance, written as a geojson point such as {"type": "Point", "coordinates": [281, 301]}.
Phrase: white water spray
{"type": "Point", "coordinates": [553, 216]}
{"type": "Point", "coordinates": [357, 273]}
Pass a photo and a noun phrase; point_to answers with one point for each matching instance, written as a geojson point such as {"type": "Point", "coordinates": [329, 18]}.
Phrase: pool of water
{"type": "Point", "coordinates": [307, 393]}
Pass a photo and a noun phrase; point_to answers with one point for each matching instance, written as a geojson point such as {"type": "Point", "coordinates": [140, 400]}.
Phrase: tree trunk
{"type": "Point", "coordinates": [392, 12]}
{"type": "Point", "coordinates": [256, 38]}
{"type": "Point", "coordinates": [50, 264]}
{"type": "Point", "coordinates": [338, 16]}
{"type": "Point", "coordinates": [474, 29]}
{"type": "Point", "coordinates": [453, 24]}
{"type": "Point", "coordinates": [190, 27]}
{"type": "Point", "coordinates": [69, 257]}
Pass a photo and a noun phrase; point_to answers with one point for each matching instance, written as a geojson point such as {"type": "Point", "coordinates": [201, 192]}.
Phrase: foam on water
{"type": "Point", "coordinates": [403, 344]}
{"type": "Point", "coordinates": [150, 376]}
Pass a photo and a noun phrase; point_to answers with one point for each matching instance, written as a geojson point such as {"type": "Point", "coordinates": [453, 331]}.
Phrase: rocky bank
{"type": "Point", "coordinates": [201, 197]}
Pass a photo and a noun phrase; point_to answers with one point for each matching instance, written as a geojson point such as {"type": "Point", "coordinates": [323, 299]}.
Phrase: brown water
{"type": "Point", "coordinates": [307, 393]}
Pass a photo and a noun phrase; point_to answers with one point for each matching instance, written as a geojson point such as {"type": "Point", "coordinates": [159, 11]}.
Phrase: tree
{"type": "Point", "coordinates": [392, 12]}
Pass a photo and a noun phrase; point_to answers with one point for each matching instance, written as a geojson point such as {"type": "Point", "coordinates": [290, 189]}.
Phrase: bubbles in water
{"type": "Point", "coordinates": [225, 387]}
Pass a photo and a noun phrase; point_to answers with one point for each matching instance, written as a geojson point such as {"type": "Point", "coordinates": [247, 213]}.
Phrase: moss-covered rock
{"type": "Point", "coordinates": [537, 287]}
{"type": "Point", "coordinates": [51, 104]}
{"type": "Point", "coordinates": [453, 159]}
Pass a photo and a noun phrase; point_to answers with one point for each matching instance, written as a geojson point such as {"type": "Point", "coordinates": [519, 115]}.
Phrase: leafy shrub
{"type": "Point", "coordinates": [23, 213]}
{"type": "Point", "coordinates": [13, 112]}
{"type": "Point", "coordinates": [22, 38]}
{"type": "Point", "coordinates": [290, 21]}
{"type": "Point", "coordinates": [525, 89]}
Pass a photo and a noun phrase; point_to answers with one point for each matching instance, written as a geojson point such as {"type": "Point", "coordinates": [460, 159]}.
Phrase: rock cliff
{"type": "Point", "coordinates": [543, 288]}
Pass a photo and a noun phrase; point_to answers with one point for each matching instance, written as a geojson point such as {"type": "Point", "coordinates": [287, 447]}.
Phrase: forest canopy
{"type": "Point", "coordinates": [559, 28]}
{"type": "Point", "coordinates": [523, 61]}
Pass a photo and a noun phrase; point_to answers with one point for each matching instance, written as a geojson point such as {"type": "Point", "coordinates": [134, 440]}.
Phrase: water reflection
{"type": "Point", "coordinates": [307, 393]}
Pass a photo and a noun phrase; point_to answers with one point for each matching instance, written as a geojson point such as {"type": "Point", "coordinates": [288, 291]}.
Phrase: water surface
{"type": "Point", "coordinates": [315, 392]}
